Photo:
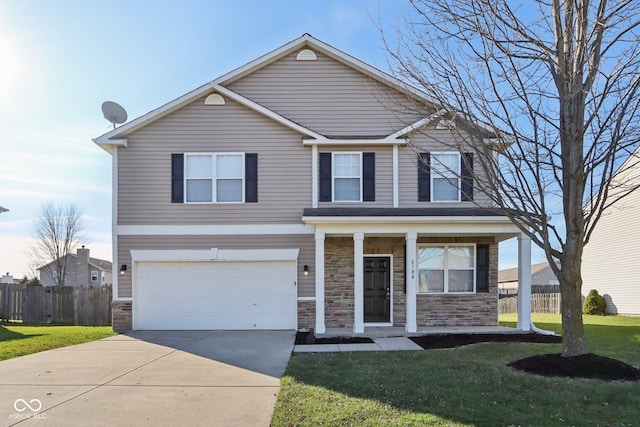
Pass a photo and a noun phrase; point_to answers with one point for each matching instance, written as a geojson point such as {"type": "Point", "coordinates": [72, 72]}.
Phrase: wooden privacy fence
{"type": "Point", "coordinates": [82, 305]}
{"type": "Point", "coordinates": [544, 299]}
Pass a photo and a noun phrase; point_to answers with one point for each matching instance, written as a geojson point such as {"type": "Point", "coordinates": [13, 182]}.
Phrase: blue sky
{"type": "Point", "coordinates": [59, 60]}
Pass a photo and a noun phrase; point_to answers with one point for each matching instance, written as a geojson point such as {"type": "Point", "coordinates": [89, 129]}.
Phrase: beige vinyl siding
{"type": "Point", "coordinates": [328, 97]}
{"type": "Point", "coordinates": [384, 176]}
{"type": "Point", "coordinates": [144, 167]}
{"type": "Point", "coordinates": [430, 140]}
{"type": "Point", "coordinates": [306, 244]}
{"type": "Point", "coordinates": [610, 259]}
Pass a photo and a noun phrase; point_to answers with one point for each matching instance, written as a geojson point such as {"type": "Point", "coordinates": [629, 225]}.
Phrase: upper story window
{"type": "Point", "coordinates": [445, 170]}
{"type": "Point", "coordinates": [94, 276]}
{"type": "Point", "coordinates": [347, 177]}
{"type": "Point", "coordinates": [214, 178]}
{"type": "Point", "coordinates": [446, 268]}
{"type": "Point", "coordinates": [445, 177]}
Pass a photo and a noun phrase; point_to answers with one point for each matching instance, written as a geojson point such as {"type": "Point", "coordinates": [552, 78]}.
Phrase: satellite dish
{"type": "Point", "coordinates": [114, 113]}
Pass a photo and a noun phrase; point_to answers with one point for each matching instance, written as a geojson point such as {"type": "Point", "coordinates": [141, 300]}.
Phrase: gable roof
{"type": "Point", "coordinates": [117, 137]}
{"type": "Point", "coordinates": [511, 274]}
{"type": "Point", "coordinates": [102, 264]}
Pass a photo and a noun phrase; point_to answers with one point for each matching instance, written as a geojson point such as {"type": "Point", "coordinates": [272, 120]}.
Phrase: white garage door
{"type": "Point", "coordinates": [214, 295]}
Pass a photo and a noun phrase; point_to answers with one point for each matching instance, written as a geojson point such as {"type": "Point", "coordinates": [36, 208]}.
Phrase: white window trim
{"type": "Point", "coordinates": [333, 176]}
{"type": "Point", "coordinates": [214, 178]}
{"type": "Point", "coordinates": [446, 268]}
{"type": "Point", "coordinates": [434, 175]}
{"type": "Point", "coordinates": [97, 275]}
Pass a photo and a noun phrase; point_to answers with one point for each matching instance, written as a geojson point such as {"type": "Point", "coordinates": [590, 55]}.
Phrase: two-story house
{"type": "Point", "coordinates": [609, 262]}
{"type": "Point", "coordinates": [301, 190]}
{"type": "Point", "coordinates": [82, 270]}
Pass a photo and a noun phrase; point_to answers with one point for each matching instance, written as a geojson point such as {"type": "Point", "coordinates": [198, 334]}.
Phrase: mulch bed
{"type": "Point", "coordinates": [308, 338]}
{"type": "Point", "coordinates": [456, 340]}
{"type": "Point", "coordinates": [585, 366]}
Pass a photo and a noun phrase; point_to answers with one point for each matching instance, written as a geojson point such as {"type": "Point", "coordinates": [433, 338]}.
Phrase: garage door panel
{"type": "Point", "coordinates": [215, 295]}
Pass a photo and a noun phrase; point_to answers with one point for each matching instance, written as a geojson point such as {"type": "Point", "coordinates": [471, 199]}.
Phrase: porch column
{"type": "Point", "coordinates": [358, 283]}
{"type": "Point", "coordinates": [524, 283]}
{"type": "Point", "coordinates": [320, 328]}
{"type": "Point", "coordinates": [411, 280]}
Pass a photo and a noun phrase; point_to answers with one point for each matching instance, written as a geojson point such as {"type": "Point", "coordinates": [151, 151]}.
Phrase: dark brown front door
{"type": "Point", "coordinates": [377, 290]}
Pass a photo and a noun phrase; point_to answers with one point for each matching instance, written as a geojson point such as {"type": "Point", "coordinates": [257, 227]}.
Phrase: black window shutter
{"type": "Point", "coordinates": [424, 177]}
{"type": "Point", "coordinates": [325, 177]}
{"type": "Point", "coordinates": [251, 177]}
{"type": "Point", "coordinates": [482, 268]}
{"type": "Point", "coordinates": [177, 178]}
{"type": "Point", "coordinates": [467, 178]}
{"type": "Point", "coordinates": [369, 177]}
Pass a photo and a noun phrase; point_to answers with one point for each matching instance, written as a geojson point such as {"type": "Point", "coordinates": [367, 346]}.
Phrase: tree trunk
{"type": "Point", "coordinates": [573, 341]}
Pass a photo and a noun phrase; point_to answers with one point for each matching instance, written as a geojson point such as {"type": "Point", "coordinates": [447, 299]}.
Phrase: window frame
{"type": "Point", "coordinates": [435, 174]}
{"type": "Point", "coordinates": [96, 275]}
{"type": "Point", "coordinates": [446, 269]}
{"type": "Point", "coordinates": [214, 177]}
{"type": "Point", "coordinates": [334, 176]}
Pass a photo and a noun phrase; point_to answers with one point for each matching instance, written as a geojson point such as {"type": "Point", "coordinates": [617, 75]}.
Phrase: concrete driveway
{"type": "Point", "coordinates": [153, 378]}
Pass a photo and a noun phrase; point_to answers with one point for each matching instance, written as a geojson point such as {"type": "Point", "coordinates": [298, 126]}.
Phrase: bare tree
{"type": "Point", "coordinates": [550, 85]}
{"type": "Point", "coordinates": [57, 232]}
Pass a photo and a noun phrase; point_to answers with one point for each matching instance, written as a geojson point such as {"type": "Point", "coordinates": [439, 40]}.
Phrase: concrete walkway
{"type": "Point", "coordinates": [195, 378]}
{"type": "Point", "coordinates": [379, 344]}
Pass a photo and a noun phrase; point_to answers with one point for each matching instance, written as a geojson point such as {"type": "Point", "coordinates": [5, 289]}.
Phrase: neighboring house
{"type": "Point", "coordinates": [8, 279]}
{"type": "Point", "coordinates": [541, 274]}
{"type": "Point", "coordinates": [82, 270]}
{"type": "Point", "coordinates": [295, 192]}
{"type": "Point", "coordinates": [610, 258]}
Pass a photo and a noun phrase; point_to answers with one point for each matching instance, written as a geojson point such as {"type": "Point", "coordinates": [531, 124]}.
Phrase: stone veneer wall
{"type": "Point", "coordinates": [121, 316]}
{"type": "Point", "coordinates": [479, 309]}
{"type": "Point", "coordinates": [432, 310]}
{"type": "Point", "coordinates": [338, 282]}
{"type": "Point", "coordinates": [306, 314]}
{"type": "Point", "coordinates": [339, 277]}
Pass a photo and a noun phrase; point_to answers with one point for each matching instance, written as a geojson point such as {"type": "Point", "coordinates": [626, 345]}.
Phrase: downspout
{"type": "Point", "coordinates": [537, 330]}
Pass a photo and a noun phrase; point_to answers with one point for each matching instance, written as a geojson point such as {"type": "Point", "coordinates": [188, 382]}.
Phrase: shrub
{"type": "Point", "coordinates": [594, 303]}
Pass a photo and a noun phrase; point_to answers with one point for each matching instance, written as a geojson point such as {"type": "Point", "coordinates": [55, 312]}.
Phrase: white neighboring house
{"type": "Point", "coordinates": [82, 270]}
{"type": "Point", "coordinates": [609, 262]}
{"type": "Point", "coordinates": [541, 274]}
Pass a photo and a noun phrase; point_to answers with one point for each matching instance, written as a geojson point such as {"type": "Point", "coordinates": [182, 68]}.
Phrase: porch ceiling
{"type": "Point", "coordinates": [426, 222]}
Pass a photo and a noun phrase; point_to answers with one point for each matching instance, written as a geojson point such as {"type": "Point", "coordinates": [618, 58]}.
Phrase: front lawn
{"type": "Point", "coordinates": [19, 340]}
{"type": "Point", "coordinates": [462, 386]}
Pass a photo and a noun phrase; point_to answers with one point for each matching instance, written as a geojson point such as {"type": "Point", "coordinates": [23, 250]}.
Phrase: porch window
{"type": "Point", "coordinates": [446, 268]}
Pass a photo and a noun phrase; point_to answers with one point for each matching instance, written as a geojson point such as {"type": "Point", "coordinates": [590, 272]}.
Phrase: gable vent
{"type": "Point", "coordinates": [306, 55]}
{"type": "Point", "coordinates": [446, 124]}
{"type": "Point", "coordinates": [214, 99]}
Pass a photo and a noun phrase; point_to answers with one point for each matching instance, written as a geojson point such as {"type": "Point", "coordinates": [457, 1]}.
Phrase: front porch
{"type": "Point", "coordinates": [349, 243]}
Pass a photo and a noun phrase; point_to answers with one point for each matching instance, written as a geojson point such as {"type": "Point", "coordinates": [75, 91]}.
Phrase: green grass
{"type": "Point", "coordinates": [19, 340]}
{"type": "Point", "coordinates": [465, 386]}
